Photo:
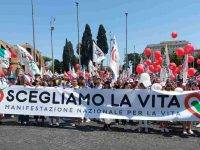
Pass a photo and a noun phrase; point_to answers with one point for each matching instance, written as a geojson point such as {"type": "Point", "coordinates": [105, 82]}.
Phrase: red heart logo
{"type": "Point", "coordinates": [187, 104]}
{"type": "Point", "coordinates": [1, 95]}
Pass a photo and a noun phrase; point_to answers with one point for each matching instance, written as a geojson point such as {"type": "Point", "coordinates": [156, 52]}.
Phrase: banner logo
{"type": "Point", "coordinates": [1, 95]}
{"type": "Point", "coordinates": [192, 104]}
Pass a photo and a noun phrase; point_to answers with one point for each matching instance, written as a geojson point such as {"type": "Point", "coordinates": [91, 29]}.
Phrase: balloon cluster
{"type": "Point", "coordinates": [156, 66]}
{"type": "Point", "coordinates": [153, 67]}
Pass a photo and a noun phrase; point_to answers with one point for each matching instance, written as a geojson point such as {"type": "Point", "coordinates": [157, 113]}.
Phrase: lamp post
{"type": "Point", "coordinates": [77, 14]}
{"type": "Point", "coordinates": [33, 28]}
{"type": "Point", "coordinates": [52, 53]}
{"type": "Point", "coordinates": [126, 43]}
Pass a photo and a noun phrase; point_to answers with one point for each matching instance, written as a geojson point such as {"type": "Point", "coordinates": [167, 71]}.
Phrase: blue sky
{"type": "Point", "coordinates": [149, 21]}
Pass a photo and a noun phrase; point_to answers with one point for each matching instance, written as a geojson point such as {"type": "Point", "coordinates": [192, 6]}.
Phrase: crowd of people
{"type": "Point", "coordinates": [97, 82]}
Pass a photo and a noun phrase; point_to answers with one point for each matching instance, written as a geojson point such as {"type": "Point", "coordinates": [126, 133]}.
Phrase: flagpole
{"type": "Point", "coordinates": [126, 43]}
{"type": "Point", "coordinates": [110, 48]}
{"type": "Point", "coordinates": [52, 52]}
{"type": "Point", "coordinates": [77, 14]}
{"type": "Point", "coordinates": [134, 59]}
{"type": "Point", "coordinates": [33, 28]}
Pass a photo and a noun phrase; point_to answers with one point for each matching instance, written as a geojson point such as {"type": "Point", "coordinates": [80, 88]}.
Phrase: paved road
{"type": "Point", "coordinates": [91, 136]}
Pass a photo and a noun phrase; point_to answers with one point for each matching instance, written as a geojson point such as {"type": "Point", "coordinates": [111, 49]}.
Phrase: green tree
{"type": "Point", "coordinates": [58, 66]}
{"type": "Point", "coordinates": [102, 39]}
{"type": "Point", "coordinates": [46, 58]}
{"type": "Point", "coordinates": [86, 46]}
{"type": "Point", "coordinates": [174, 58]}
{"type": "Point", "coordinates": [68, 54]}
{"type": "Point", "coordinates": [133, 59]}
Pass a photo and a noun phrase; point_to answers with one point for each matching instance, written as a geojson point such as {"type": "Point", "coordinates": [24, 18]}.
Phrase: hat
{"type": "Point", "coordinates": [156, 86]}
{"type": "Point", "coordinates": [130, 81]}
{"type": "Point", "coordinates": [178, 89]}
{"type": "Point", "coordinates": [145, 79]}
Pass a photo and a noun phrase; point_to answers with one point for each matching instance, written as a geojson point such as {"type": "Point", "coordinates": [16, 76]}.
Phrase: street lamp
{"type": "Point", "coordinates": [52, 28]}
{"type": "Point", "coordinates": [78, 31]}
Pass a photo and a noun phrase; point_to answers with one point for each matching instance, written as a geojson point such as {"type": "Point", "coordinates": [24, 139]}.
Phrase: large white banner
{"type": "Point", "coordinates": [101, 103]}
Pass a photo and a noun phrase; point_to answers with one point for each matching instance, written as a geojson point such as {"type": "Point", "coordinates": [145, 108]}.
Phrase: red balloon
{"type": "Point", "coordinates": [180, 52]}
{"type": "Point", "coordinates": [140, 69]}
{"type": "Point", "coordinates": [191, 72]}
{"type": "Point", "coordinates": [174, 35]}
{"type": "Point", "coordinates": [174, 73]}
{"type": "Point", "coordinates": [148, 62]}
{"type": "Point", "coordinates": [188, 49]}
{"type": "Point", "coordinates": [157, 54]}
{"type": "Point", "coordinates": [198, 61]}
{"type": "Point", "coordinates": [147, 52]}
{"type": "Point", "coordinates": [178, 70]}
{"type": "Point", "coordinates": [157, 68]}
{"type": "Point", "coordinates": [159, 61]}
{"type": "Point", "coordinates": [172, 66]}
{"type": "Point", "coordinates": [151, 68]}
{"type": "Point", "coordinates": [190, 59]}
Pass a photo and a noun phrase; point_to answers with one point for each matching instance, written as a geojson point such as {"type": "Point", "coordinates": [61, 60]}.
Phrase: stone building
{"type": "Point", "coordinates": [172, 45]}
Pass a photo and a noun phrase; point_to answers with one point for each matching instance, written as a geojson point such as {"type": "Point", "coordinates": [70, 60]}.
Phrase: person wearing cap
{"type": "Point", "coordinates": [144, 83]}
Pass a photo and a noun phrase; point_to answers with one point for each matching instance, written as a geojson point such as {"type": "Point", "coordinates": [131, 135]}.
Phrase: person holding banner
{"type": "Point", "coordinates": [25, 81]}
{"type": "Point", "coordinates": [38, 82]}
{"type": "Point", "coordinates": [52, 83]}
{"type": "Point", "coordinates": [187, 125]}
{"type": "Point", "coordinates": [164, 124]}
{"type": "Point", "coordinates": [107, 122]}
{"type": "Point", "coordinates": [75, 121]}
{"type": "Point", "coordinates": [144, 83]}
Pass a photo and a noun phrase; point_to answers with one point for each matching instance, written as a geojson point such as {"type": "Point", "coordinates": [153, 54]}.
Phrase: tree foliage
{"type": "Point", "coordinates": [133, 59]}
{"type": "Point", "coordinates": [45, 58]}
{"type": "Point", "coordinates": [68, 55]}
{"type": "Point", "coordinates": [58, 66]}
{"type": "Point", "coordinates": [86, 46]}
{"type": "Point", "coordinates": [102, 39]}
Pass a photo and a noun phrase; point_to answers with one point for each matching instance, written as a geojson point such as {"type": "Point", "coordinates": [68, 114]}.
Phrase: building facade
{"type": "Point", "coordinates": [35, 53]}
{"type": "Point", "coordinates": [15, 61]}
{"type": "Point", "coordinates": [171, 45]}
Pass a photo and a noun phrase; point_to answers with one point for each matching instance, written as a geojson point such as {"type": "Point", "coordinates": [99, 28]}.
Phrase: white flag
{"type": "Point", "coordinates": [98, 54]}
{"type": "Point", "coordinates": [91, 68]}
{"type": "Point", "coordinates": [114, 61]}
{"type": "Point", "coordinates": [74, 74]}
{"type": "Point", "coordinates": [165, 72]}
{"type": "Point", "coordinates": [27, 60]}
{"type": "Point", "coordinates": [185, 69]}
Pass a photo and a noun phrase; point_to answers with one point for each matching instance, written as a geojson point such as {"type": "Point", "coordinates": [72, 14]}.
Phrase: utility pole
{"type": "Point", "coordinates": [33, 28]}
{"type": "Point", "coordinates": [52, 53]}
{"type": "Point", "coordinates": [126, 43]}
{"type": "Point", "coordinates": [77, 17]}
